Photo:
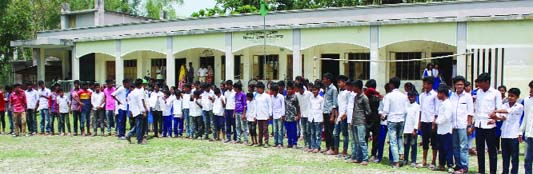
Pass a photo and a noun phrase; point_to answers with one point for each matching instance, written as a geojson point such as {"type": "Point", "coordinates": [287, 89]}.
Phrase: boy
{"type": "Point", "coordinates": [278, 114]}
{"type": "Point", "coordinates": [31, 113]}
{"type": "Point", "coordinates": [44, 95]}
{"type": "Point", "coordinates": [196, 116]}
{"type": "Point", "coordinates": [98, 103]}
{"type": "Point", "coordinates": [316, 104]}
{"type": "Point", "coordinates": [64, 109]}
{"type": "Point", "coordinates": [54, 108]}
{"type": "Point", "coordinates": [250, 117]}
{"type": "Point", "coordinates": [138, 110]}
{"type": "Point", "coordinates": [410, 129]}
{"type": "Point", "coordinates": [329, 110]}
{"type": "Point", "coordinates": [120, 97]}
{"type": "Point", "coordinates": [239, 122]}
{"type": "Point", "coordinates": [186, 105]}
{"type": "Point", "coordinates": [394, 110]}
{"type": "Point", "coordinates": [85, 99]}
{"type": "Point", "coordinates": [527, 129]}
{"type": "Point", "coordinates": [292, 115]}
{"type": "Point", "coordinates": [428, 107]}
{"type": "Point", "coordinates": [218, 111]}
{"type": "Point", "coordinates": [463, 108]}
{"type": "Point", "coordinates": [176, 109]}
{"type": "Point", "coordinates": [303, 100]}
{"type": "Point", "coordinates": [510, 115]}
{"type": "Point", "coordinates": [167, 115]}
{"type": "Point", "coordinates": [17, 99]}
{"type": "Point", "coordinates": [443, 124]}
{"type": "Point", "coordinates": [3, 111]}
{"type": "Point", "coordinates": [263, 111]}
{"type": "Point", "coordinates": [155, 105]}
{"type": "Point", "coordinates": [360, 111]}
{"type": "Point", "coordinates": [230, 97]}
{"type": "Point", "coordinates": [207, 98]}
{"type": "Point", "coordinates": [341, 124]}
{"type": "Point", "coordinates": [109, 106]}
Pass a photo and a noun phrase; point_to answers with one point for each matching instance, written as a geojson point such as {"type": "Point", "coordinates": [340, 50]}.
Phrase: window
{"type": "Point", "coordinates": [359, 70]}
{"type": "Point", "coordinates": [238, 68]}
{"type": "Point", "coordinates": [408, 70]}
{"type": "Point", "coordinates": [158, 67]}
{"type": "Point", "coordinates": [266, 67]}
{"type": "Point", "coordinates": [130, 69]}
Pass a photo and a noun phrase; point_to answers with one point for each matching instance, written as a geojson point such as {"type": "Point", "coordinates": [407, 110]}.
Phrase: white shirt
{"type": "Point", "coordinates": [155, 100]}
{"type": "Point", "coordinates": [31, 99]}
{"type": "Point", "coordinates": [428, 106]}
{"type": "Point", "coordinates": [186, 98]}
{"type": "Point", "coordinates": [263, 105]}
{"type": "Point", "coordinates": [250, 110]}
{"type": "Point", "coordinates": [444, 119]}
{"type": "Point", "coordinates": [316, 103]}
{"type": "Point", "coordinates": [166, 105]}
{"type": "Point", "coordinates": [135, 100]}
{"type": "Point", "coordinates": [218, 107]}
{"type": "Point", "coordinates": [278, 106]}
{"type": "Point", "coordinates": [463, 106]}
{"type": "Point", "coordinates": [411, 120]}
{"type": "Point", "coordinates": [527, 123]}
{"type": "Point", "coordinates": [43, 95]}
{"type": "Point", "coordinates": [202, 72]}
{"type": "Point", "coordinates": [486, 102]}
{"type": "Point", "coordinates": [395, 105]}
{"type": "Point", "coordinates": [229, 95]}
{"type": "Point", "coordinates": [195, 110]}
{"type": "Point", "coordinates": [342, 101]}
{"type": "Point", "coordinates": [63, 103]}
{"type": "Point", "coordinates": [207, 104]}
{"type": "Point", "coordinates": [350, 106]}
{"type": "Point", "coordinates": [120, 94]}
{"type": "Point", "coordinates": [303, 101]}
{"type": "Point", "coordinates": [511, 125]}
{"type": "Point", "coordinates": [98, 100]}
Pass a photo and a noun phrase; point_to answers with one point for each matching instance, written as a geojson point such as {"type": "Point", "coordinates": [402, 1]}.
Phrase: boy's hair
{"type": "Point", "coordinates": [358, 84]}
{"type": "Point", "coordinates": [274, 87]}
{"type": "Point", "coordinates": [342, 78]}
{"type": "Point", "coordinates": [458, 79]}
{"type": "Point", "coordinates": [328, 76]}
{"type": "Point", "coordinates": [28, 83]}
{"type": "Point", "coordinates": [60, 90]}
{"type": "Point", "coordinates": [204, 86]}
{"type": "Point", "coordinates": [95, 84]}
{"type": "Point", "coordinates": [77, 82]}
{"type": "Point", "coordinates": [371, 83]}
{"type": "Point", "coordinates": [485, 77]}
{"type": "Point", "coordinates": [290, 84]}
{"type": "Point", "coordinates": [249, 95]}
{"type": "Point", "coordinates": [281, 83]}
{"type": "Point", "coordinates": [502, 86]}
{"type": "Point", "coordinates": [251, 85]}
{"type": "Point", "coordinates": [428, 80]}
{"type": "Point", "coordinates": [531, 84]}
{"type": "Point", "coordinates": [395, 81]}
{"type": "Point", "coordinates": [443, 89]}
{"type": "Point", "coordinates": [229, 82]}
{"type": "Point", "coordinates": [260, 85]}
{"type": "Point", "coordinates": [40, 82]}
{"type": "Point", "coordinates": [16, 85]}
{"type": "Point", "coordinates": [166, 92]}
{"type": "Point", "coordinates": [411, 94]}
{"type": "Point", "coordinates": [514, 91]}
{"type": "Point", "coordinates": [299, 78]}
{"type": "Point", "coordinates": [299, 85]}
{"type": "Point", "coordinates": [467, 83]}
{"type": "Point", "coordinates": [217, 90]}
{"type": "Point", "coordinates": [238, 85]}
{"type": "Point", "coordinates": [138, 82]}
{"type": "Point", "coordinates": [387, 87]}
{"type": "Point", "coordinates": [197, 83]}
{"type": "Point", "coordinates": [196, 93]}
{"type": "Point", "coordinates": [317, 84]}
{"type": "Point", "coordinates": [108, 81]}
{"type": "Point", "coordinates": [187, 85]}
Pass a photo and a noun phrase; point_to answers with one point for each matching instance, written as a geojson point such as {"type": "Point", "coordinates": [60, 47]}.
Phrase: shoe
{"type": "Point", "coordinates": [364, 163]}
{"type": "Point", "coordinates": [129, 139]}
{"type": "Point", "coordinates": [413, 165]}
{"type": "Point", "coordinates": [420, 165]}
{"type": "Point", "coordinates": [258, 145]}
{"type": "Point", "coordinates": [227, 141]}
{"type": "Point", "coordinates": [121, 138]}
{"type": "Point", "coordinates": [450, 170]}
{"type": "Point", "coordinates": [266, 145]}
{"type": "Point", "coordinates": [431, 167]}
{"type": "Point", "coordinates": [460, 171]}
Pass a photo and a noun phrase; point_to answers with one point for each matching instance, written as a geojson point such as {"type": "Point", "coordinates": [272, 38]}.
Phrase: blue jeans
{"type": "Point", "coordinates": [45, 118]}
{"type": "Point", "coordinates": [360, 148]}
{"type": "Point", "coordinates": [167, 126]}
{"type": "Point", "coordinates": [188, 122]}
{"type": "Point", "coordinates": [341, 127]}
{"type": "Point", "coordinates": [208, 119]}
{"type": "Point", "coordinates": [239, 127]}
{"type": "Point", "coordinates": [178, 126]}
{"type": "Point", "coordinates": [306, 132]}
{"type": "Point", "coordinates": [529, 154]}
{"type": "Point", "coordinates": [86, 115]}
{"type": "Point", "coordinates": [11, 122]}
{"type": "Point", "coordinates": [510, 154]}
{"type": "Point", "coordinates": [121, 124]}
{"type": "Point", "coordinates": [31, 121]}
{"type": "Point", "coordinates": [110, 117]}
{"type": "Point", "coordinates": [381, 142]}
{"type": "Point", "coordinates": [138, 129]}
{"type": "Point", "coordinates": [396, 140]}
{"type": "Point", "coordinates": [278, 131]}
{"type": "Point", "coordinates": [230, 123]}
{"type": "Point", "coordinates": [410, 145]}
{"type": "Point", "coordinates": [460, 148]}
{"type": "Point", "coordinates": [292, 133]}
{"type": "Point", "coordinates": [445, 150]}
{"type": "Point", "coordinates": [316, 134]}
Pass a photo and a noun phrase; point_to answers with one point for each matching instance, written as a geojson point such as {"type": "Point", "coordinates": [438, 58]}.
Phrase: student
{"type": "Point", "coordinates": [292, 115]}
{"type": "Point", "coordinates": [527, 129]}
{"type": "Point", "coordinates": [463, 110]}
{"type": "Point", "coordinates": [32, 99]}
{"type": "Point", "coordinates": [303, 97]}
{"type": "Point", "coordinates": [488, 100]}
{"type": "Point", "coordinates": [54, 108]}
{"type": "Point", "coordinates": [410, 129]}
{"type": "Point", "coordinates": [120, 97]}
{"type": "Point", "coordinates": [138, 111]}
{"type": "Point", "coordinates": [329, 110]}
{"type": "Point", "coordinates": [75, 106]}
{"type": "Point", "coordinates": [250, 116]}
{"type": "Point", "coordinates": [186, 105]}
{"type": "Point", "coordinates": [443, 124]}
{"type": "Point", "coordinates": [428, 107]}
{"type": "Point", "coordinates": [110, 106]}
{"type": "Point", "coordinates": [155, 105]}
{"type": "Point", "coordinates": [196, 115]}
{"type": "Point", "coordinates": [64, 109]}
{"type": "Point", "coordinates": [510, 115]}
{"type": "Point", "coordinates": [167, 105]}
{"type": "Point", "coordinates": [207, 98]}
{"type": "Point", "coordinates": [349, 116]}
{"type": "Point", "coordinates": [263, 111]}
{"type": "Point", "coordinates": [341, 124]}
{"type": "Point", "coordinates": [316, 104]}
{"type": "Point", "coordinates": [358, 124]}
{"type": "Point", "coordinates": [239, 123]}
{"type": "Point", "coordinates": [394, 109]}
{"type": "Point", "coordinates": [44, 95]}
{"type": "Point", "coordinates": [278, 114]}
{"type": "Point", "coordinates": [231, 106]}
{"type": "Point", "coordinates": [176, 109]}
{"type": "Point", "coordinates": [17, 99]}
{"type": "Point", "coordinates": [85, 99]}
{"type": "Point", "coordinates": [98, 103]}
{"type": "Point", "coordinates": [218, 112]}
{"type": "Point", "coordinates": [9, 109]}
{"type": "Point", "coordinates": [373, 120]}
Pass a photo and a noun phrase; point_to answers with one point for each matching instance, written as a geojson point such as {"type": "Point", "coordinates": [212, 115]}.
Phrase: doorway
{"type": "Point", "coordinates": [110, 70]}
{"type": "Point", "coordinates": [446, 66]}
{"type": "Point", "coordinates": [331, 66]}
{"type": "Point", "coordinates": [179, 63]}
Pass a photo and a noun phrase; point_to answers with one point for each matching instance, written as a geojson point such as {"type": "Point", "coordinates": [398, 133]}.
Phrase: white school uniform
{"type": "Point", "coordinates": [511, 125]}
{"type": "Point", "coordinates": [411, 120]}
{"type": "Point", "coordinates": [218, 107]}
{"type": "Point", "coordinates": [195, 110]}
{"type": "Point", "coordinates": [64, 104]}
{"type": "Point", "coordinates": [343, 100]}
{"type": "Point", "coordinates": [166, 105]}
{"type": "Point", "coordinates": [316, 105]}
{"type": "Point", "coordinates": [207, 104]}
{"type": "Point", "coordinates": [263, 105]}
{"type": "Point", "coordinates": [31, 99]}
{"type": "Point", "coordinates": [444, 119]}
{"type": "Point", "coordinates": [43, 95]}
{"type": "Point", "coordinates": [250, 110]}
{"type": "Point", "coordinates": [98, 100]}
{"type": "Point", "coordinates": [350, 106]}
{"type": "Point", "coordinates": [186, 101]}
{"type": "Point", "coordinates": [135, 101]}
{"type": "Point", "coordinates": [177, 106]}
{"type": "Point", "coordinates": [303, 101]}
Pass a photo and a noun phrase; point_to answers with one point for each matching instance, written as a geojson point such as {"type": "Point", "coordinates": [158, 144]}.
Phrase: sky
{"type": "Point", "coordinates": [190, 6]}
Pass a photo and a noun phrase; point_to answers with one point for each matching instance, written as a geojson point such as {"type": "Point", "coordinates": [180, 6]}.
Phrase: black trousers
{"type": "Point", "coordinates": [373, 126]}
{"type": "Point", "coordinates": [486, 136]}
{"type": "Point", "coordinates": [157, 122]}
{"type": "Point", "coordinates": [328, 131]}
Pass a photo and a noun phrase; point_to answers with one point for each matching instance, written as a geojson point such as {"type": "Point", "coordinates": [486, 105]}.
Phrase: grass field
{"type": "Point", "coordinates": [58, 154]}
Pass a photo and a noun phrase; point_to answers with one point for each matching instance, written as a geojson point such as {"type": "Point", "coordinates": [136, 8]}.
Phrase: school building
{"type": "Point", "coordinates": [482, 36]}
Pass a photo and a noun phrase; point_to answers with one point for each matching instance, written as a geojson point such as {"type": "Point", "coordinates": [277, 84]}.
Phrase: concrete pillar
{"type": "Point", "coordinates": [75, 64]}
{"type": "Point", "coordinates": [171, 63]}
{"type": "Point", "coordinates": [461, 48]}
{"type": "Point", "coordinates": [230, 60]}
{"type": "Point", "coordinates": [377, 70]}
{"type": "Point", "coordinates": [119, 63]}
{"type": "Point", "coordinates": [38, 54]}
{"type": "Point", "coordinates": [296, 53]}
{"type": "Point", "coordinates": [64, 65]}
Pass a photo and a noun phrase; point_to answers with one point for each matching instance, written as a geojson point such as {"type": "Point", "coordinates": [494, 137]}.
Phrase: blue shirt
{"type": "Point", "coordinates": [330, 99]}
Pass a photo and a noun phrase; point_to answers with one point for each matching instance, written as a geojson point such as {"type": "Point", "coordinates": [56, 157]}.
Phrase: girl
{"type": "Point", "coordinates": [177, 106]}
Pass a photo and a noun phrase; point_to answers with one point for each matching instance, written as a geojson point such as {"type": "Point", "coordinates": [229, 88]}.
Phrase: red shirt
{"type": "Point", "coordinates": [84, 94]}
{"type": "Point", "coordinates": [18, 101]}
{"type": "Point", "coordinates": [2, 102]}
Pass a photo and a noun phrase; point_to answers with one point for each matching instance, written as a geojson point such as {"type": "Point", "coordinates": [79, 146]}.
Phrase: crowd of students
{"type": "Point", "coordinates": [446, 119]}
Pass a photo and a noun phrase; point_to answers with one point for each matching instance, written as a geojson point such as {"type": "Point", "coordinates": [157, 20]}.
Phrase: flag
{"type": "Point", "coordinates": [263, 10]}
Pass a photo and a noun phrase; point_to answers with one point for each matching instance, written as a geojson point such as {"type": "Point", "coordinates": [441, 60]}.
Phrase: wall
{"type": "Point", "coordinates": [115, 18]}
{"type": "Point", "coordinates": [85, 20]}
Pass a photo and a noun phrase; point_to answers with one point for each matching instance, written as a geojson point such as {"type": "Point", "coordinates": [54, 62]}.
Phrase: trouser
{"type": "Point", "coordinates": [45, 121]}
{"type": "Point", "coordinates": [20, 122]}
{"type": "Point", "coordinates": [410, 144]}
{"type": "Point", "coordinates": [110, 117]}
{"type": "Point", "coordinates": [198, 126]}
{"type": "Point", "coordinates": [263, 131]}
{"type": "Point", "coordinates": [218, 121]}
{"type": "Point", "coordinates": [167, 125]}
{"type": "Point", "coordinates": [341, 127]}
{"type": "Point", "coordinates": [381, 142]}
{"type": "Point", "coordinates": [305, 131]}
{"type": "Point", "coordinates": [510, 154]}
{"type": "Point", "coordinates": [529, 155]}
{"type": "Point", "coordinates": [292, 133]}
{"type": "Point", "coordinates": [239, 125]}
{"type": "Point", "coordinates": [278, 131]}
{"type": "Point", "coordinates": [11, 121]}
{"type": "Point", "coordinates": [77, 120]}
{"type": "Point", "coordinates": [121, 123]}
{"type": "Point", "coordinates": [145, 125]}
{"type": "Point", "coordinates": [428, 136]}
{"type": "Point", "coordinates": [373, 127]}
{"type": "Point", "coordinates": [132, 120]}
{"type": "Point", "coordinates": [396, 140]}
{"type": "Point", "coordinates": [360, 152]}
{"type": "Point", "coordinates": [3, 120]}
{"type": "Point", "coordinates": [188, 122]}
{"type": "Point", "coordinates": [460, 148]}
{"type": "Point", "coordinates": [208, 123]}
{"type": "Point", "coordinates": [31, 120]}
{"type": "Point", "coordinates": [251, 128]}
{"type": "Point", "coordinates": [230, 125]}
{"type": "Point", "coordinates": [316, 134]}
{"type": "Point", "coordinates": [328, 131]}
{"type": "Point", "coordinates": [53, 117]}
{"type": "Point", "coordinates": [445, 150]}
{"type": "Point", "coordinates": [157, 122]}
{"type": "Point", "coordinates": [86, 121]}
{"type": "Point", "coordinates": [64, 123]}
{"type": "Point", "coordinates": [137, 130]}
{"type": "Point", "coordinates": [99, 116]}
{"type": "Point", "coordinates": [178, 125]}
{"type": "Point", "coordinates": [487, 136]}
